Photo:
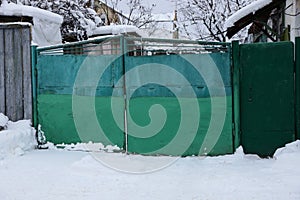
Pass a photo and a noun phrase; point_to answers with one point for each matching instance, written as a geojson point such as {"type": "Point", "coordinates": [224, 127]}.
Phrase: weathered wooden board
{"type": "Point", "coordinates": [27, 88]}
{"type": "Point", "coordinates": [2, 73]}
{"type": "Point", "coordinates": [15, 71]}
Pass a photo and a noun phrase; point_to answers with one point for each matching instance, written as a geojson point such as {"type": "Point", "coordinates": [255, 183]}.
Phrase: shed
{"type": "Point", "coordinates": [45, 24]}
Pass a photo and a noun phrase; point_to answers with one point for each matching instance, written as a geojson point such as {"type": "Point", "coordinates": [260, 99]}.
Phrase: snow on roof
{"type": "Point", "coordinates": [12, 9]}
{"type": "Point", "coordinates": [251, 8]}
{"type": "Point", "coordinates": [46, 25]}
{"type": "Point", "coordinates": [17, 23]}
{"type": "Point", "coordinates": [115, 30]}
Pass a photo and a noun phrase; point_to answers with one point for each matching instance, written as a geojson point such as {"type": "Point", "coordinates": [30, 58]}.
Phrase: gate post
{"type": "Point", "coordinates": [297, 86]}
{"type": "Point", "coordinates": [124, 52]}
{"type": "Point", "coordinates": [34, 84]}
{"type": "Point", "coordinates": [236, 94]}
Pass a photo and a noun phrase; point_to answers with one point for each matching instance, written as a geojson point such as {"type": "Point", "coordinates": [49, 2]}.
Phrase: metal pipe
{"type": "Point", "coordinates": [34, 84]}
{"type": "Point", "coordinates": [72, 44]}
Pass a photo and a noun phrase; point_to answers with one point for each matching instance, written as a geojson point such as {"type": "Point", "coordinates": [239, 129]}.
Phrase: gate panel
{"type": "Point", "coordinates": [160, 103]}
{"type": "Point", "coordinates": [267, 96]}
{"type": "Point", "coordinates": [75, 88]}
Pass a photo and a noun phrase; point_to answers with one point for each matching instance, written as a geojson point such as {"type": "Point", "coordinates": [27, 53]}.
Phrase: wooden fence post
{"type": "Point", "coordinates": [2, 73]}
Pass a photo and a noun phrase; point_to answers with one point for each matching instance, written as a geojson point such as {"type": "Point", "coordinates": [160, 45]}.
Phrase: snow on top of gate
{"type": "Point", "coordinates": [116, 30]}
{"type": "Point", "coordinates": [251, 8]}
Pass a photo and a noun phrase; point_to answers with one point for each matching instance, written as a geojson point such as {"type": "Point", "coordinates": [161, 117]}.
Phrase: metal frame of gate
{"type": "Point", "coordinates": [129, 48]}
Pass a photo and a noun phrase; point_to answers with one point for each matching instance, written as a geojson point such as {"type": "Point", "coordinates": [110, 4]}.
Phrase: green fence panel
{"type": "Point", "coordinates": [74, 98]}
{"type": "Point", "coordinates": [173, 103]}
{"type": "Point", "coordinates": [167, 93]}
{"type": "Point", "coordinates": [169, 97]}
{"type": "Point", "coordinates": [267, 96]}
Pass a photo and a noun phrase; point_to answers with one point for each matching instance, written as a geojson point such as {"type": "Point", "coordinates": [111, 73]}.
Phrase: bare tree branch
{"type": "Point", "coordinates": [206, 18]}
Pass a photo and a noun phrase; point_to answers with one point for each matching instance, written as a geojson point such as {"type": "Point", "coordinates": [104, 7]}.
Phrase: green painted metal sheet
{"type": "Point", "coordinates": [163, 94]}
{"type": "Point", "coordinates": [56, 116]}
{"type": "Point", "coordinates": [267, 96]}
{"type": "Point", "coordinates": [174, 67]}
{"type": "Point", "coordinates": [163, 141]}
{"type": "Point", "coordinates": [74, 98]}
{"type": "Point", "coordinates": [57, 74]}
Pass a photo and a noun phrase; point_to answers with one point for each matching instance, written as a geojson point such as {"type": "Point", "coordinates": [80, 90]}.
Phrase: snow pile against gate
{"type": "Point", "coordinates": [16, 137]}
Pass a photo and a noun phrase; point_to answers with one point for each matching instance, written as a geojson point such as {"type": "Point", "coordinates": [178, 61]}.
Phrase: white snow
{"type": "Point", "coordinates": [17, 23]}
{"type": "Point", "coordinates": [251, 8]}
{"type": "Point", "coordinates": [116, 30]}
{"type": "Point", "coordinates": [94, 147]}
{"type": "Point", "coordinates": [17, 137]}
{"type": "Point", "coordinates": [3, 120]}
{"type": "Point", "coordinates": [46, 25]}
{"type": "Point", "coordinates": [12, 9]}
{"type": "Point", "coordinates": [73, 173]}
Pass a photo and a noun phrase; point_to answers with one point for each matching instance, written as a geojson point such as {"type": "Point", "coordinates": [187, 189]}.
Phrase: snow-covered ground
{"type": "Point", "coordinates": [17, 138]}
{"type": "Point", "coordinates": [73, 173]}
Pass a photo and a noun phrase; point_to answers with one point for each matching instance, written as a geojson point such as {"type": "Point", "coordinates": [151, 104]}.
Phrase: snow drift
{"type": "Point", "coordinates": [3, 120]}
{"type": "Point", "coordinates": [17, 137]}
{"type": "Point", "coordinates": [288, 150]}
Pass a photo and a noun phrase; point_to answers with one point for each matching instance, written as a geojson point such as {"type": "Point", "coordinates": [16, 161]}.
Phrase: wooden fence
{"type": "Point", "coordinates": [15, 71]}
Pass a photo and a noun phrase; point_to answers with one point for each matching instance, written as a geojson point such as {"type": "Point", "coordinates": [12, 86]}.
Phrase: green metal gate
{"type": "Point", "coordinates": [147, 96]}
{"type": "Point", "coordinates": [188, 81]}
{"type": "Point", "coordinates": [74, 92]}
{"type": "Point", "coordinates": [267, 97]}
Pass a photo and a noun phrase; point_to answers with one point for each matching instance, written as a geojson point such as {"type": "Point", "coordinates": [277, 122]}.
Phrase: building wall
{"type": "Point", "coordinates": [292, 18]}
{"type": "Point", "coordinates": [297, 20]}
